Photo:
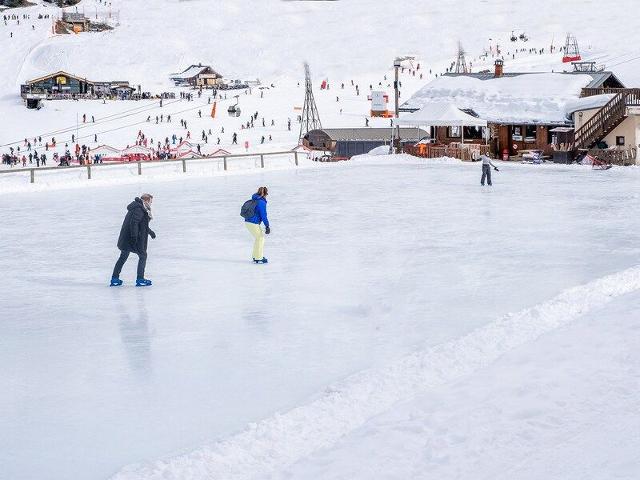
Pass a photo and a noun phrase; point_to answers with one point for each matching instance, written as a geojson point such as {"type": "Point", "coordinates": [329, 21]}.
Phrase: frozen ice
{"type": "Point", "coordinates": [370, 262]}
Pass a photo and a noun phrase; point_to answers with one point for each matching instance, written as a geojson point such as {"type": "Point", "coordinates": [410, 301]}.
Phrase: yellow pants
{"type": "Point", "coordinates": [258, 244]}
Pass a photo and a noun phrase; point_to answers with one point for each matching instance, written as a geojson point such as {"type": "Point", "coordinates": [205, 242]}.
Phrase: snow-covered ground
{"type": "Point", "coordinates": [410, 324]}
{"type": "Point", "coordinates": [380, 326]}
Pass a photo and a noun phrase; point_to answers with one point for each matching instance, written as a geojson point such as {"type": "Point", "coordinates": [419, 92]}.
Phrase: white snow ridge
{"type": "Point", "coordinates": [279, 441]}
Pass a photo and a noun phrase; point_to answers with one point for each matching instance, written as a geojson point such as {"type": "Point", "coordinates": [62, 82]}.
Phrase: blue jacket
{"type": "Point", "coordinates": [261, 211]}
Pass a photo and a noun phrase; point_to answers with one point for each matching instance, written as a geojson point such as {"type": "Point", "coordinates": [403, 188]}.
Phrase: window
{"type": "Point", "coordinates": [474, 133]}
{"type": "Point", "coordinates": [530, 134]}
{"type": "Point", "coordinates": [454, 132]}
{"type": "Point", "coordinates": [620, 141]}
{"type": "Point", "coordinates": [516, 133]}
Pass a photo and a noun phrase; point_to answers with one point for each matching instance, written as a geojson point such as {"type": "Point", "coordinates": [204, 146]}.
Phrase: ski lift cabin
{"type": "Point", "coordinates": [234, 110]}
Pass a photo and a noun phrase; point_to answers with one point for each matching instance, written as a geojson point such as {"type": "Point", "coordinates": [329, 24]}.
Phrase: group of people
{"type": "Point", "coordinates": [135, 233]}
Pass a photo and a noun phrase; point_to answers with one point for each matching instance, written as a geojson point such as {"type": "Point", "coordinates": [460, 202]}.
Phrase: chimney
{"type": "Point", "coordinates": [499, 68]}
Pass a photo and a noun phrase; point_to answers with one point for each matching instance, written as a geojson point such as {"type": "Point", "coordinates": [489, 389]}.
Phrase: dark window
{"type": "Point", "coordinates": [516, 133]}
{"type": "Point", "coordinates": [474, 133]}
{"type": "Point", "coordinates": [530, 133]}
{"type": "Point", "coordinates": [620, 141]}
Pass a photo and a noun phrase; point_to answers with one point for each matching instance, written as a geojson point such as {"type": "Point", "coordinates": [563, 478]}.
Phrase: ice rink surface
{"type": "Point", "coordinates": [369, 261]}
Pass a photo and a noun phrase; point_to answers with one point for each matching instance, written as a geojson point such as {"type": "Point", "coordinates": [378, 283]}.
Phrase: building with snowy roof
{"type": "Point", "coordinates": [521, 109]}
{"type": "Point", "coordinates": [344, 143]}
{"type": "Point", "coordinates": [197, 76]}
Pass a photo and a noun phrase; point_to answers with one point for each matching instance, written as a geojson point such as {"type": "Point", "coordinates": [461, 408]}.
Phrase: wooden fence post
{"type": "Point", "coordinates": [261, 161]}
{"type": "Point", "coordinates": [88, 171]}
{"type": "Point", "coordinates": [224, 160]}
{"type": "Point", "coordinates": [33, 175]}
{"type": "Point", "coordinates": [139, 168]}
{"type": "Point", "coordinates": [295, 154]}
{"type": "Point", "coordinates": [184, 166]}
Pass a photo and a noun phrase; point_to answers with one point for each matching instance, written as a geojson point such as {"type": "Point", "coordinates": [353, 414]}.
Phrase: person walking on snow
{"type": "Point", "coordinates": [254, 212]}
{"type": "Point", "coordinates": [133, 238]}
{"type": "Point", "coordinates": [486, 169]}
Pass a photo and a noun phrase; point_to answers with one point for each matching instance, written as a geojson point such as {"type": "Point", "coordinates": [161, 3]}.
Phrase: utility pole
{"type": "Point", "coordinates": [396, 86]}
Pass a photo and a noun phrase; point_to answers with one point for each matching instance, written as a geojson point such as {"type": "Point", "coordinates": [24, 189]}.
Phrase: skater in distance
{"type": "Point", "coordinates": [486, 169]}
{"type": "Point", "coordinates": [254, 212]}
{"type": "Point", "coordinates": [133, 238]}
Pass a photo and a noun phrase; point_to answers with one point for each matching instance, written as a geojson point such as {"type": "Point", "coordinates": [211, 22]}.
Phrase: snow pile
{"type": "Point", "coordinates": [531, 98]}
{"type": "Point", "coordinates": [588, 103]}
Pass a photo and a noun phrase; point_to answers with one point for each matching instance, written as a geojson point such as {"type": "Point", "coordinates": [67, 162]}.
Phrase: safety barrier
{"type": "Point", "coordinates": [226, 159]}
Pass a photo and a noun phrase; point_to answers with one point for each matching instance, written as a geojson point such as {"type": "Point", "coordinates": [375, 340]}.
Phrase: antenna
{"type": "Point", "coordinates": [310, 116]}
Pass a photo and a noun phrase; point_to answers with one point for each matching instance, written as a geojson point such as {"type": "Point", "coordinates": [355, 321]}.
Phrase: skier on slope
{"type": "Point", "coordinates": [254, 212]}
{"type": "Point", "coordinates": [133, 238]}
{"type": "Point", "coordinates": [486, 169]}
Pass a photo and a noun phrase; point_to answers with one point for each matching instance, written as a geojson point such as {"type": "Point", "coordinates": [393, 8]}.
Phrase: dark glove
{"type": "Point", "coordinates": [496, 169]}
{"type": "Point", "coordinates": [267, 230]}
{"type": "Point", "coordinates": [152, 234]}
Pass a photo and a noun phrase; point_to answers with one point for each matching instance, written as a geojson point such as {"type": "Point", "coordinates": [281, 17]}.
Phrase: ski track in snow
{"type": "Point", "coordinates": [283, 439]}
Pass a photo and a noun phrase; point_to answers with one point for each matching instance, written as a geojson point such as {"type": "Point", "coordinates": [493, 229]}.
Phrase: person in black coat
{"type": "Point", "coordinates": [133, 238]}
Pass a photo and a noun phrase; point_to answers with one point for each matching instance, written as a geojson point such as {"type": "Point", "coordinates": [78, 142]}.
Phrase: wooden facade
{"type": "Point", "coordinates": [63, 85]}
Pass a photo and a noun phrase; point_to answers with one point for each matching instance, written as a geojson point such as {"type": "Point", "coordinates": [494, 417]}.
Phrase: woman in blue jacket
{"type": "Point", "coordinates": [253, 224]}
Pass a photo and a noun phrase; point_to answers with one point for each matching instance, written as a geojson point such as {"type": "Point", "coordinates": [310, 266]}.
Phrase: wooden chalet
{"type": "Point", "coordinates": [76, 21]}
{"type": "Point", "coordinates": [58, 85]}
{"type": "Point", "coordinates": [529, 115]}
{"type": "Point", "coordinates": [198, 76]}
{"type": "Point", "coordinates": [63, 85]}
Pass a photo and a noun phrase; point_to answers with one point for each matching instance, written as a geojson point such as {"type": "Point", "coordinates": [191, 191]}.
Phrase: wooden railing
{"type": "Point", "coordinates": [184, 161]}
{"type": "Point", "coordinates": [633, 93]}
{"type": "Point", "coordinates": [466, 153]}
{"type": "Point", "coordinates": [602, 123]}
{"type": "Point", "coordinates": [622, 157]}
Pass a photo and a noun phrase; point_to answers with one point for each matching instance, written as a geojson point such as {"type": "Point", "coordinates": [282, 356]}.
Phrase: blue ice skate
{"type": "Point", "coordinates": [143, 282]}
{"type": "Point", "coordinates": [264, 260]}
{"type": "Point", "coordinates": [115, 282]}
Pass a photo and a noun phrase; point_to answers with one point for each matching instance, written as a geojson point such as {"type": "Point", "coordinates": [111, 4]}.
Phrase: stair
{"type": "Point", "coordinates": [606, 119]}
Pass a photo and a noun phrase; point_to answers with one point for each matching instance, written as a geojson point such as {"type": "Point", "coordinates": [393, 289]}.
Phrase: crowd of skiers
{"type": "Point", "coordinates": [135, 233]}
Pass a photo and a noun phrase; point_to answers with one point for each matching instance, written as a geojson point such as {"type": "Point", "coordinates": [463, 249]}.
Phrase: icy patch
{"type": "Point", "coordinates": [285, 438]}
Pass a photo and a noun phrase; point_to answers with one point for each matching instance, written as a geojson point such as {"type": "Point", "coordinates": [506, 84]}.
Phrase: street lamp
{"type": "Point", "coordinates": [396, 66]}
{"type": "Point", "coordinates": [396, 85]}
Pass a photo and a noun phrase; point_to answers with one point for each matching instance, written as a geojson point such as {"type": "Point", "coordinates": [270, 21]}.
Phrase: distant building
{"type": "Point", "coordinates": [344, 143]}
{"type": "Point", "coordinates": [63, 85]}
{"type": "Point", "coordinates": [522, 109]}
{"type": "Point", "coordinates": [77, 21]}
{"type": "Point", "coordinates": [197, 76]}
{"type": "Point", "coordinates": [58, 85]}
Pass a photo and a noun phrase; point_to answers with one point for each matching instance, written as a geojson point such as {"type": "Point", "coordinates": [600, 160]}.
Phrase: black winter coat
{"type": "Point", "coordinates": [135, 230]}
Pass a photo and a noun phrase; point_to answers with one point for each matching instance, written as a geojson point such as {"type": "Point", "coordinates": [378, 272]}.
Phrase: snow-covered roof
{"type": "Point", "coordinates": [588, 103]}
{"type": "Point", "coordinates": [440, 115]}
{"type": "Point", "coordinates": [104, 150]}
{"type": "Point", "coordinates": [372, 134]}
{"type": "Point", "coordinates": [136, 150]}
{"type": "Point", "coordinates": [193, 71]}
{"type": "Point", "coordinates": [539, 98]}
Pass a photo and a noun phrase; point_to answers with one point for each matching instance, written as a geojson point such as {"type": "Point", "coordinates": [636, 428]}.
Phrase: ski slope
{"type": "Point", "coordinates": [390, 280]}
{"type": "Point", "coordinates": [269, 40]}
